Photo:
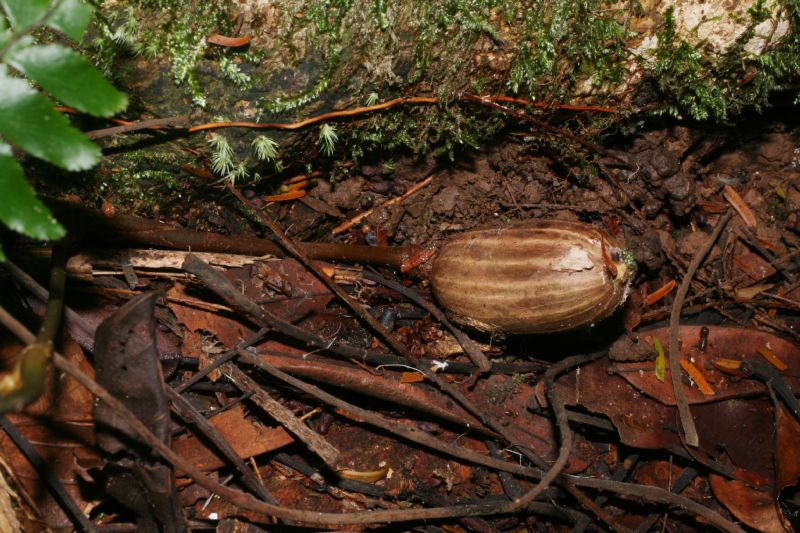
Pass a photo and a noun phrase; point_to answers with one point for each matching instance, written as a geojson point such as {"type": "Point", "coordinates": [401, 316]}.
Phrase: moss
{"type": "Point", "coordinates": [704, 86]}
{"type": "Point", "coordinates": [561, 39]}
{"type": "Point", "coordinates": [168, 27]}
{"type": "Point", "coordinates": [311, 56]}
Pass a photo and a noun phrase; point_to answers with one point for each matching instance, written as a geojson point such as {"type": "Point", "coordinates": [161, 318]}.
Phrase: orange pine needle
{"type": "Point", "coordinates": [296, 185]}
{"type": "Point", "coordinates": [659, 293]}
{"type": "Point", "coordinates": [290, 195]}
{"type": "Point", "coordinates": [772, 359]}
{"type": "Point", "coordinates": [228, 42]}
{"type": "Point", "coordinates": [697, 377]}
{"type": "Point", "coordinates": [729, 366]}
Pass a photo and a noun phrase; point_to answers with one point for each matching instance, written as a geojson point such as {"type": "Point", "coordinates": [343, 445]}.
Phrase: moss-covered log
{"type": "Point", "coordinates": [703, 60]}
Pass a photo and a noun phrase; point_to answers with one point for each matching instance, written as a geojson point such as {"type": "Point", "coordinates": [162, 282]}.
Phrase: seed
{"type": "Point", "coordinates": [537, 277]}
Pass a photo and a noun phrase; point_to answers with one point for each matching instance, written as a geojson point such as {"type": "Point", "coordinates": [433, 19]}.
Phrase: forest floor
{"type": "Point", "coordinates": [399, 439]}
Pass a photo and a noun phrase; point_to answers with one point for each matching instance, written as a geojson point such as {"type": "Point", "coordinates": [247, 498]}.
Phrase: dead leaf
{"type": "Point", "coordinates": [725, 342]}
{"type": "Point", "coordinates": [738, 204]}
{"type": "Point", "coordinates": [127, 365]}
{"type": "Point", "coordinates": [246, 437]}
{"type": "Point", "coordinates": [755, 508]}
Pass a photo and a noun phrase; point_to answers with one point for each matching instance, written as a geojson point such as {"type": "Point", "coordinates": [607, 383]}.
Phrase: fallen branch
{"type": "Point", "coordinates": [687, 422]}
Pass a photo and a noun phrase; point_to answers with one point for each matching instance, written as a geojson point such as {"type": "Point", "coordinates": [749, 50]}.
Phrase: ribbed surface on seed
{"type": "Point", "coordinates": [544, 276]}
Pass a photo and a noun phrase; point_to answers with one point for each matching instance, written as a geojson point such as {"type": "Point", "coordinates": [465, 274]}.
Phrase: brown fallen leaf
{"type": "Point", "coordinates": [757, 509]}
{"type": "Point", "coordinates": [246, 438]}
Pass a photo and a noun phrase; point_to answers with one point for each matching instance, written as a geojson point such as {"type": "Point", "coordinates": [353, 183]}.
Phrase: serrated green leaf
{"type": "Point", "coordinates": [69, 77]}
{"type": "Point", "coordinates": [71, 18]}
{"type": "Point", "coordinates": [24, 13]}
{"type": "Point", "coordinates": [20, 209]}
{"type": "Point", "coordinates": [28, 120]}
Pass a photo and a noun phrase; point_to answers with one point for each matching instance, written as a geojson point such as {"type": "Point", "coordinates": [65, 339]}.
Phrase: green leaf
{"type": "Point", "coordinates": [69, 77]}
{"type": "Point", "coordinates": [20, 209]}
{"type": "Point", "coordinates": [71, 18]}
{"type": "Point", "coordinates": [24, 13]}
{"type": "Point", "coordinates": [2, 255]}
{"type": "Point", "coordinates": [661, 360]}
{"type": "Point", "coordinates": [28, 120]}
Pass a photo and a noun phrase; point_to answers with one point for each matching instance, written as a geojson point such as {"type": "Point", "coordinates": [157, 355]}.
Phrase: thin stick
{"type": "Point", "coordinates": [317, 118]}
{"type": "Point", "coordinates": [246, 501]}
{"type": "Point", "coordinates": [401, 430]}
{"type": "Point", "coordinates": [151, 124]}
{"type": "Point", "coordinates": [190, 414]}
{"type": "Point", "coordinates": [560, 412]}
{"type": "Point", "coordinates": [47, 473]}
{"type": "Point", "coordinates": [687, 422]}
{"type": "Point", "coordinates": [346, 225]}
{"type": "Point", "coordinates": [315, 442]}
{"type": "Point", "coordinates": [658, 495]}
{"type": "Point", "coordinates": [470, 347]}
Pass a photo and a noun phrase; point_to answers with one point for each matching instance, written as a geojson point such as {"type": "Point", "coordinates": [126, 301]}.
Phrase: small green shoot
{"type": "Point", "coordinates": [327, 139]}
{"type": "Point", "coordinates": [265, 148]}
{"type": "Point", "coordinates": [222, 158]}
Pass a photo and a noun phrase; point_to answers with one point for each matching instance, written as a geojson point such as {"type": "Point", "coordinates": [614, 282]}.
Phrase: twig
{"type": "Point", "coordinates": [47, 473]}
{"type": "Point", "coordinates": [347, 224]}
{"type": "Point", "coordinates": [189, 413]}
{"type": "Point", "coordinates": [387, 388]}
{"type": "Point", "coordinates": [371, 418]}
{"type": "Point", "coordinates": [299, 254]}
{"type": "Point", "coordinates": [246, 501]}
{"type": "Point", "coordinates": [315, 442]}
{"type": "Point", "coordinates": [350, 485]}
{"type": "Point", "coordinates": [687, 422]}
{"type": "Point", "coordinates": [469, 346]}
{"type": "Point", "coordinates": [315, 119]}
{"type": "Point", "coordinates": [557, 404]}
{"type": "Point", "coordinates": [220, 285]}
{"type": "Point", "coordinates": [221, 359]}
{"type": "Point", "coordinates": [658, 495]}
{"type": "Point", "coordinates": [43, 294]}
{"type": "Point", "coordinates": [151, 124]}
{"type": "Point", "coordinates": [766, 254]}
{"type": "Point", "coordinates": [91, 225]}
{"type": "Point", "coordinates": [681, 483]}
